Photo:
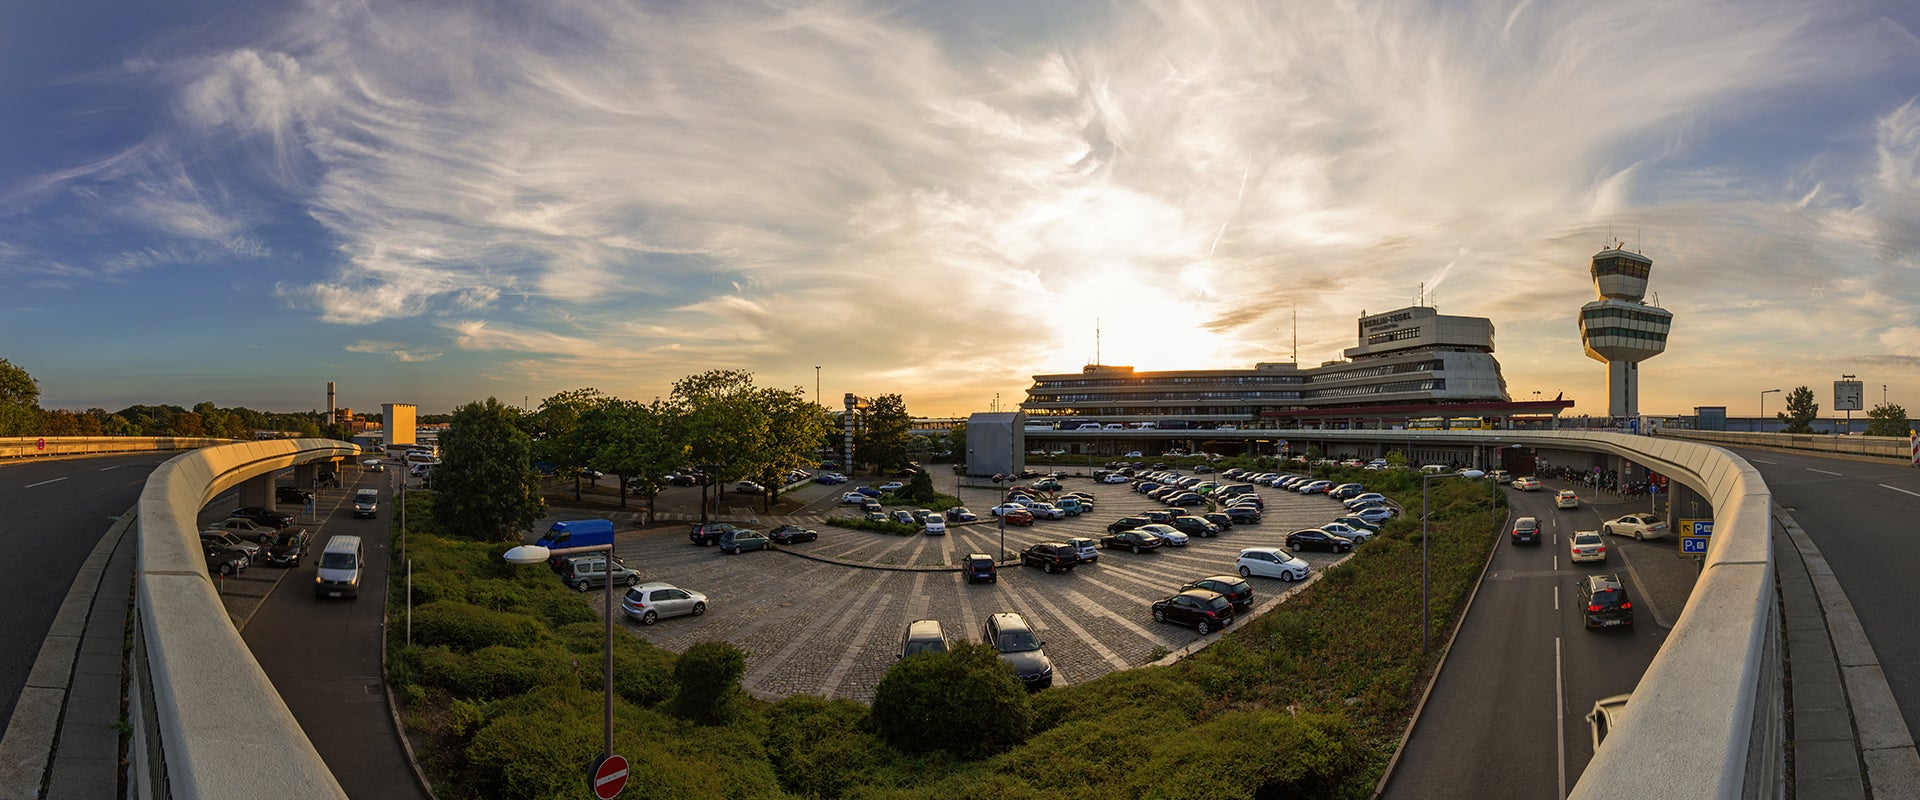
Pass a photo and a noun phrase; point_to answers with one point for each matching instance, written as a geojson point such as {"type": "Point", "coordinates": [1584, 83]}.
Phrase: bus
{"type": "Point", "coordinates": [1469, 424]}
{"type": "Point", "coordinates": [1427, 424]}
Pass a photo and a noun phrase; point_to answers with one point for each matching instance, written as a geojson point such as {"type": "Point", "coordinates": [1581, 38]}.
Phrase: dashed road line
{"type": "Point", "coordinates": [1109, 613]}
{"type": "Point", "coordinates": [772, 664]}
{"type": "Point", "coordinates": [1085, 638]}
{"type": "Point", "coordinates": [855, 646]}
{"type": "Point", "coordinates": [1821, 471]}
{"type": "Point", "coordinates": [43, 483]}
{"type": "Point", "coordinates": [1900, 490]}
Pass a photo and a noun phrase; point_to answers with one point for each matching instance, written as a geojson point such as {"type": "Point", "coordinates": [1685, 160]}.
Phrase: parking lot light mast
{"type": "Point", "coordinates": [535, 554]}
{"type": "Point", "coordinates": [1426, 606]}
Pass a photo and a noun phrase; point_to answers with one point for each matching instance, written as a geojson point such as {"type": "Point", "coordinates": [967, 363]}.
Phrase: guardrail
{"type": "Point", "coordinates": [1877, 446]}
{"type": "Point", "coordinates": [207, 723]}
{"type": "Point", "coordinates": [49, 446]}
{"type": "Point", "coordinates": [1706, 718]}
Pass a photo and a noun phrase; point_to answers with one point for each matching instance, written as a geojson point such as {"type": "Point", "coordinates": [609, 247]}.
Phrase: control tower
{"type": "Point", "coordinates": [1620, 330]}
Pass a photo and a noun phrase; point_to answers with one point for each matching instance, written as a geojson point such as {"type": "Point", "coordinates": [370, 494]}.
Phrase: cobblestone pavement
{"type": "Point", "coordinates": [812, 627]}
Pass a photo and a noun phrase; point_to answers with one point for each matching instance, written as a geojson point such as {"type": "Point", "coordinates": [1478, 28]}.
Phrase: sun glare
{"type": "Point", "coordinates": [1145, 327]}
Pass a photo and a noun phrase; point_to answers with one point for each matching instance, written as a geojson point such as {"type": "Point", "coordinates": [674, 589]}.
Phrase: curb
{"type": "Point", "coordinates": [393, 706]}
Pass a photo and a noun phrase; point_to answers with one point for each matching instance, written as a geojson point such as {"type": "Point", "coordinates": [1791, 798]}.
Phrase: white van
{"type": "Point", "coordinates": [341, 565]}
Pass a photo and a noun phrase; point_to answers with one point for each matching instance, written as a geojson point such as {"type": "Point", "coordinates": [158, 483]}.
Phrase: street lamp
{"type": "Point", "coordinates": [1763, 407]}
{"type": "Point", "coordinates": [535, 554]}
{"type": "Point", "coordinates": [1426, 607]}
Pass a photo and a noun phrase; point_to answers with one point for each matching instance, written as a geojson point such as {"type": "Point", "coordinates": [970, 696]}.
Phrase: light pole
{"type": "Point", "coordinates": [1426, 608]}
{"type": "Point", "coordinates": [535, 554]}
{"type": "Point", "coordinates": [816, 385]}
{"type": "Point", "coordinates": [1763, 407]}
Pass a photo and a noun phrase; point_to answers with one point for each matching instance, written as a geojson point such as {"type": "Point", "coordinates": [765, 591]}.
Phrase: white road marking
{"type": "Point", "coordinates": [1821, 471]}
{"type": "Point", "coordinates": [1556, 598]}
{"type": "Point", "coordinates": [1560, 714]}
{"type": "Point", "coordinates": [1769, 463]}
{"type": "Point", "coordinates": [116, 466]}
{"type": "Point", "coordinates": [1900, 490]}
{"type": "Point", "coordinates": [43, 483]}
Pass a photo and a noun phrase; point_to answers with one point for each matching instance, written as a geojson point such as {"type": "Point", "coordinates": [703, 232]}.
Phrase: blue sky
{"type": "Point", "coordinates": [436, 202]}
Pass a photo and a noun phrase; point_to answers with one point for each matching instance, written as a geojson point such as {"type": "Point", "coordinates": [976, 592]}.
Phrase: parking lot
{"type": "Point", "coordinates": [826, 617]}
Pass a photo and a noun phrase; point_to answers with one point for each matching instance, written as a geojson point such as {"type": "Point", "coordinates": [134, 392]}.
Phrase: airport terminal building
{"type": "Point", "coordinates": [1411, 368]}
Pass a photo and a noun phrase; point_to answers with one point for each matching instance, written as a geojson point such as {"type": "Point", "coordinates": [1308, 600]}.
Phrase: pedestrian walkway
{"type": "Point", "coordinates": [1847, 738]}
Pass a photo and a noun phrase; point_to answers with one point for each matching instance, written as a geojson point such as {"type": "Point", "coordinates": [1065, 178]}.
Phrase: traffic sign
{"type": "Point", "coordinates": [40, 444]}
{"type": "Point", "coordinates": [1695, 527]}
{"type": "Point", "coordinates": [609, 777]}
{"type": "Point", "coordinates": [1693, 545]}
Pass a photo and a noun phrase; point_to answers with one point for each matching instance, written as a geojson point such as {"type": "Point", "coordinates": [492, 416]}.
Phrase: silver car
{"type": "Point", "coordinates": [649, 602]}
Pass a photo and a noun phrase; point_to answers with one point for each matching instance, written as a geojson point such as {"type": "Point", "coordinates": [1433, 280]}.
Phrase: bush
{"type": "Point", "coordinates": [534, 756]}
{"type": "Point", "coordinates": [708, 675]}
{"type": "Point", "coordinates": [642, 672]}
{"type": "Point", "coordinates": [965, 702]}
{"type": "Point", "coordinates": [468, 628]}
{"type": "Point", "coordinates": [819, 747]}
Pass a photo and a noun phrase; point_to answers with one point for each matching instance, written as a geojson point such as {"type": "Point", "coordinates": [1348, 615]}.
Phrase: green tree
{"type": "Point", "coordinates": [557, 437]}
{"type": "Point", "coordinates": [485, 487]}
{"type": "Point", "coordinates": [1888, 419]}
{"type": "Point", "coordinates": [882, 439]}
{"type": "Point", "coordinates": [723, 424]}
{"type": "Point", "coordinates": [964, 701]}
{"type": "Point", "coordinates": [639, 443]}
{"type": "Point", "coordinates": [19, 400]}
{"type": "Point", "coordinates": [1800, 413]}
{"type": "Point", "coordinates": [795, 428]}
{"type": "Point", "coordinates": [708, 676]}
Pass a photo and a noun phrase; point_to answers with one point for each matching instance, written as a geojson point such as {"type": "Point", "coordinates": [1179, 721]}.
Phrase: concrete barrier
{"type": "Point", "coordinates": [1889, 447]}
{"type": "Point", "coordinates": [53, 446]}
{"type": "Point", "coordinates": [207, 722]}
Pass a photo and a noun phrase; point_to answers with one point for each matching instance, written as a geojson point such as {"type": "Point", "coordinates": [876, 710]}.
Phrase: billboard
{"type": "Point", "coordinates": [1847, 396]}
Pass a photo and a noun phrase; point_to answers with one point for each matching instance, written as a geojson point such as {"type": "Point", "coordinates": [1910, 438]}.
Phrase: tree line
{"type": "Point", "coordinates": [1886, 419]}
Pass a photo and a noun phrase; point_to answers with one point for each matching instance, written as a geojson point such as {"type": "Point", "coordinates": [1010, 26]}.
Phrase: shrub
{"type": "Point", "coordinates": [965, 702]}
{"type": "Point", "coordinates": [708, 675]}
{"type": "Point", "coordinates": [533, 755]}
{"type": "Point", "coordinates": [642, 672]}
{"type": "Point", "coordinates": [467, 628]}
{"type": "Point", "coordinates": [818, 746]}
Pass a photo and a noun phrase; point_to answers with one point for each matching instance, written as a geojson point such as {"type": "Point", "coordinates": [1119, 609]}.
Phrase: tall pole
{"type": "Point", "coordinates": [607, 750]}
{"type": "Point", "coordinates": [1426, 607]}
{"type": "Point", "coordinates": [816, 385]}
{"type": "Point", "coordinates": [1763, 407]}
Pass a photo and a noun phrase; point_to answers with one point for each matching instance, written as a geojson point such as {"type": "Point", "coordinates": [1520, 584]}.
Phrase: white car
{"type": "Point", "coordinates": [1566, 499]}
{"type": "Point", "coordinates": [1315, 487]}
{"type": "Point", "coordinates": [1359, 500]}
{"type": "Point", "coordinates": [1166, 533]}
{"type": "Point", "coordinates": [1375, 514]}
{"type": "Point", "coordinates": [1115, 478]}
{"type": "Point", "coordinates": [1588, 546]}
{"type": "Point", "coordinates": [1527, 484]}
{"type": "Point", "coordinates": [1047, 510]}
{"type": "Point", "coordinates": [1358, 535]}
{"type": "Point", "coordinates": [1003, 509]}
{"type": "Point", "coordinates": [1638, 526]}
{"type": "Point", "coordinates": [853, 499]}
{"type": "Point", "coordinates": [936, 525]}
{"type": "Point", "coordinates": [892, 486]}
{"type": "Point", "coordinates": [648, 602]}
{"type": "Point", "coordinates": [1271, 562]}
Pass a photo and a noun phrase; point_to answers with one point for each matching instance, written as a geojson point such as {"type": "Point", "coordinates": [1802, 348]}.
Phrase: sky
{"type": "Point", "coordinates": [437, 202]}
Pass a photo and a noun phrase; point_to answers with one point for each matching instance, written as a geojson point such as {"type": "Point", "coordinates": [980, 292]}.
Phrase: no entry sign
{"type": "Point", "coordinates": [609, 777]}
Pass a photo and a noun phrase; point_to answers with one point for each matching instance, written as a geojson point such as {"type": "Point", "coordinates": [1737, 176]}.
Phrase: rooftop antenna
{"type": "Point", "coordinates": [1296, 331]}
{"type": "Point", "coordinates": [1636, 243]}
{"type": "Point", "coordinates": [1421, 299]}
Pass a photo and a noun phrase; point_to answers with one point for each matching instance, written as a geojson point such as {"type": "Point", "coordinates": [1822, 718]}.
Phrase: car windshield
{"type": "Point", "coordinates": [1217, 603]}
{"type": "Point", "coordinates": [1586, 538]}
{"type": "Point", "coordinates": [1018, 642]}
{"type": "Point", "coordinates": [284, 540]}
{"type": "Point", "coordinates": [1606, 597]}
{"type": "Point", "coordinates": [336, 561]}
{"type": "Point", "coordinates": [1526, 525]}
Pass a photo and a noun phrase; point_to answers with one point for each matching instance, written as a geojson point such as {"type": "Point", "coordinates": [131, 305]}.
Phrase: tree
{"type": "Point", "coordinates": [1800, 413]}
{"type": "Point", "coordinates": [1888, 419]}
{"type": "Point", "coordinates": [722, 424]}
{"type": "Point", "coordinates": [485, 487]}
{"type": "Point", "coordinates": [795, 428]}
{"type": "Point", "coordinates": [19, 400]}
{"type": "Point", "coordinates": [639, 443]}
{"type": "Point", "coordinates": [557, 438]}
{"type": "Point", "coordinates": [708, 680]}
{"type": "Point", "coordinates": [964, 701]}
{"type": "Point", "coordinates": [882, 440]}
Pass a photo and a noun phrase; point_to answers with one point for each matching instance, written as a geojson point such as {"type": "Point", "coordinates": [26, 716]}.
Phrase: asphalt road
{"type": "Point", "coordinates": [53, 513]}
{"type": "Point", "coordinates": [1506, 718]}
{"type": "Point", "coordinates": [1860, 514]}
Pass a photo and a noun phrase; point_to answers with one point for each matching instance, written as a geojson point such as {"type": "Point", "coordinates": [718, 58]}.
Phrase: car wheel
{"type": "Point", "coordinates": [633, 580]}
{"type": "Point", "coordinates": [1639, 536]}
{"type": "Point", "coordinates": [1293, 576]}
{"type": "Point", "coordinates": [1203, 628]}
{"type": "Point", "coordinates": [1047, 568]}
{"type": "Point", "coordinates": [226, 569]}
{"type": "Point", "coordinates": [649, 618]}
{"type": "Point", "coordinates": [699, 609]}
{"type": "Point", "coordinates": [1136, 548]}
{"type": "Point", "coordinates": [582, 586]}
{"type": "Point", "coordinates": [1246, 573]}
{"type": "Point", "coordinates": [1159, 615]}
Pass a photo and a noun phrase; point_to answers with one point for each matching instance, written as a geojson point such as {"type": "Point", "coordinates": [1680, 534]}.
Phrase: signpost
{"type": "Point", "coordinates": [1694, 535]}
{"type": "Point", "coordinates": [1693, 545]}
{"type": "Point", "coordinates": [609, 776]}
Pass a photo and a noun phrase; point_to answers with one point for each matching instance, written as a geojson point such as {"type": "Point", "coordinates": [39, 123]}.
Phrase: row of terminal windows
{"type": "Point", "coordinates": [1624, 333]}
{"type": "Point", "coordinates": [1155, 397]}
{"type": "Point", "coordinates": [1620, 265]}
{"type": "Point", "coordinates": [1429, 385]}
{"type": "Point", "coordinates": [1627, 315]}
{"type": "Point", "coordinates": [1230, 380]}
{"type": "Point", "coordinates": [1394, 336]}
{"type": "Point", "coordinates": [1386, 369]}
{"type": "Point", "coordinates": [1048, 387]}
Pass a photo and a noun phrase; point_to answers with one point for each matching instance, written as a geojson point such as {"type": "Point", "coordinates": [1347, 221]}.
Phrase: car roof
{"type": "Point", "coordinates": [1268, 550]}
{"type": "Point", "coordinates": [648, 587]}
{"type": "Point", "coordinates": [1605, 581]}
{"type": "Point", "coordinates": [1202, 594]}
{"type": "Point", "coordinates": [1586, 534]}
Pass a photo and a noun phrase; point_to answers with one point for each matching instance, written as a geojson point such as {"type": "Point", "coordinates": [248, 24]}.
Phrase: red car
{"type": "Point", "coordinates": [1018, 516]}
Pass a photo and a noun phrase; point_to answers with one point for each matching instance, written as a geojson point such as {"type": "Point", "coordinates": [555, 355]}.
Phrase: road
{"type": "Point", "coordinates": [53, 513]}
{"type": "Point", "coordinates": [1506, 718]}
{"type": "Point", "coordinates": [1860, 514]}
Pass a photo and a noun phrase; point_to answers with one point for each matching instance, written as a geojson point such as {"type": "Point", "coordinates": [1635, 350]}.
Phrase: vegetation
{"type": "Point", "coordinates": [19, 400]}
{"type": "Point", "coordinates": [485, 484]}
{"type": "Point", "coordinates": [1888, 419]}
{"type": "Point", "coordinates": [1800, 413]}
{"type": "Point", "coordinates": [962, 702]}
{"type": "Point", "coordinates": [882, 439]}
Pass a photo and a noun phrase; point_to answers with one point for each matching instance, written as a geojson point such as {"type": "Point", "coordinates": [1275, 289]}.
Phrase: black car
{"type": "Point", "coordinates": [1186, 499]}
{"type": "Point", "coordinates": [1243, 514]}
{"type": "Point", "coordinates": [980, 567]}
{"type": "Point", "coordinates": [263, 516]}
{"type": "Point", "coordinates": [292, 494]}
{"type": "Point", "coordinates": [1051, 556]}
{"type": "Point", "coordinates": [1206, 611]}
{"type": "Point", "coordinates": [1195, 526]}
{"type": "Point", "coordinates": [707, 534]}
{"type": "Point", "coordinates": [788, 534]}
{"type": "Point", "coordinates": [223, 560]}
{"type": "Point", "coordinates": [1236, 588]}
{"type": "Point", "coordinates": [287, 547]}
{"type": "Point", "coordinates": [1130, 540]}
{"type": "Point", "coordinates": [1161, 516]}
{"type": "Point", "coordinates": [1605, 601]}
{"type": "Point", "coordinates": [961, 514]}
{"type": "Point", "coordinates": [1526, 530]}
{"type": "Point", "coordinates": [1009, 633]}
{"type": "Point", "coordinates": [1219, 519]}
{"type": "Point", "coordinates": [1316, 539]}
{"type": "Point", "coordinates": [1126, 524]}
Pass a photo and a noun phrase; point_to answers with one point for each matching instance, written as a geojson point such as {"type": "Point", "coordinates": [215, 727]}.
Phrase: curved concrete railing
{"type": "Point", "coordinates": [1705, 719]}
{"type": "Point", "coordinates": [1876, 446]}
{"type": "Point", "coordinates": [47, 446]}
{"type": "Point", "coordinates": [208, 722]}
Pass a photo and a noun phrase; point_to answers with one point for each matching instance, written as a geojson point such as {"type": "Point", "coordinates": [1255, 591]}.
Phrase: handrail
{"type": "Point", "coordinates": [49, 446]}
{"type": "Point", "coordinates": [209, 723]}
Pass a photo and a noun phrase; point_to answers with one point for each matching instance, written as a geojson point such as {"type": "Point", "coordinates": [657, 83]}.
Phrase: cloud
{"type": "Point", "coordinates": [393, 350]}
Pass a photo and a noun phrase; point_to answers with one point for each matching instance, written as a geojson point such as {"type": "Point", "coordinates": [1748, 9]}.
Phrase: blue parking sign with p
{"type": "Point", "coordinates": [1693, 545]}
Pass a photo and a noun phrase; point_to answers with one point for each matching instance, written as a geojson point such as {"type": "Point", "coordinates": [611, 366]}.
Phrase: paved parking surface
{"type": "Point", "coordinates": [814, 627]}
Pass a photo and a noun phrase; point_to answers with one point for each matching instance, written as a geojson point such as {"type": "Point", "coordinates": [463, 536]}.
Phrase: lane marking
{"type": "Point", "coordinates": [1556, 598]}
{"type": "Point", "coordinates": [116, 466]}
{"type": "Point", "coordinates": [1821, 471]}
{"type": "Point", "coordinates": [1560, 713]}
{"type": "Point", "coordinates": [1900, 490]}
{"type": "Point", "coordinates": [43, 483]}
{"type": "Point", "coordinates": [1770, 463]}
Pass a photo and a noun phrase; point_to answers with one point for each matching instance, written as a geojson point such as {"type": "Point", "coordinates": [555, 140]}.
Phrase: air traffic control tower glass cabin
{"type": "Point", "coordinates": [1620, 330]}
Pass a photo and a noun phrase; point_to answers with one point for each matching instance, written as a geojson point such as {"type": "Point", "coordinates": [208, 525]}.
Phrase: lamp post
{"type": "Point", "coordinates": [535, 554]}
{"type": "Point", "coordinates": [1763, 407]}
{"type": "Point", "coordinates": [1426, 607]}
{"type": "Point", "coordinates": [816, 385]}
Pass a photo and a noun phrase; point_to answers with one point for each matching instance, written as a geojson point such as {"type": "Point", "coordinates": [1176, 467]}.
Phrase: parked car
{"type": "Point", "coordinates": [1126, 524]}
{"type": "Point", "coordinates": [749, 487]}
{"type": "Point", "coordinates": [263, 516]}
{"type": "Point", "coordinates": [1234, 587]}
{"type": "Point", "coordinates": [980, 567]}
{"type": "Point", "coordinates": [587, 570]}
{"type": "Point", "coordinates": [922, 636]}
{"type": "Point", "coordinates": [1566, 499]}
{"type": "Point", "coordinates": [1526, 484]}
{"type": "Point", "coordinates": [1375, 514]}
{"type": "Point", "coordinates": [1046, 510]}
{"type": "Point", "coordinates": [934, 526]}
{"type": "Point", "coordinates": [224, 539]}
{"type": "Point", "coordinates": [1346, 490]}
{"type": "Point", "coordinates": [1271, 562]}
{"type": "Point", "coordinates": [1604, 601]}
{"type": "Point", "coordinates": [1356, 522]}
{"type": "Point", "coordinates": [903, 517]}
{"type": "Point", "coordinates": [1001, 510]}
{"type": "Point", "coordinates": [1204, 610]}
{"type": "Point", "coordinates": [707, 534]}
{"type": "Point", "coordinates": [1194, 526]}
{"type": "Point", "coordinates": [1114, 478]}
{"type": "Point", "coordinates": [1638, 526]}
{"type": "Point", "coordinates": [1314, 487]}
{"type": "Point", "coordinates": [1243, 514]}
{"type": "Point", "coordinates": [1050, 557]}
{"type": "Point", "coordinates": [1363, 498]}
{"type": "Point", "coordinates": [292, 494]}
{"type": "Point", "coordinates": [1018, 516]}
{"type": "Point", "coordinates": [287, 547]}
{"type": "Point", "coordinates": [1009, 633]}
{"type": "Point", "coordinates": [790, 534]}
{"type": "Point", "coordinates": [246, 529]}
{"type": "Point", "coordinates": [1526, 530]}
{"type": "Point", "coordinates": [1087, 549]}
{"type": "Point", "coordinates": [1158, 516]}
{"type": "Point", "coordinates": [961, 514]}
{"type": "Point", "coordinates": [1316, 539]}
{"type": "Point", "coordinates": [852, 498]}
{"type": "Point", "coordinates": [891, 486]}
{"type": "Point", "coordinates": [1186, 499]}
{"type": "Point", "coordinates": [740, 540]}
{"type": "Point", "coordinates": [1166, 533]}
{"type": "Point", "coordinates": [1131, 539]}
{"type": "Point", "coordinates": [1220, 519]}
{"type": "Point", "coordinates": [1587, 546]}
{"type": "Point", "coordinates": [1356, 535]}
{"type": "Point", "coordinates": [223, 560]}
{"type": "Point", "coordinates": [868, 491]}
{"type": "Point", "coordinates": [650, 602]}
{"type": "Point", "coordinates": [872, 506]}
{"type": "Point", "coordinates": [876, 515]}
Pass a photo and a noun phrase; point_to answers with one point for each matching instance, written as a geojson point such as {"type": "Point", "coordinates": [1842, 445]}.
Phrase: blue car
{"type": "Point", "coordinates": [868, 491]}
